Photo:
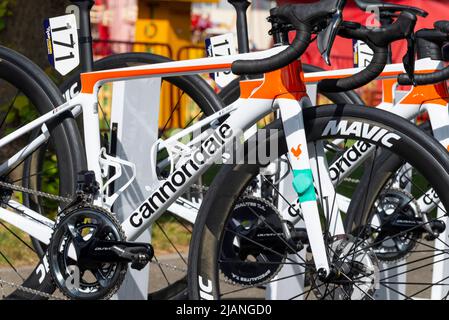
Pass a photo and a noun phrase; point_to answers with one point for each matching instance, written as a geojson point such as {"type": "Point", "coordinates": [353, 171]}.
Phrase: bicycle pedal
{"type": "Point", "coordinates": [101, 251]}
{"type": "Point", "coordinates": [139, 256]}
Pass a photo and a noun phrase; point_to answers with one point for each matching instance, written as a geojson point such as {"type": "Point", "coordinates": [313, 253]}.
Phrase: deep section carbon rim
{"type": "Point", "coordinates": [360, 273]}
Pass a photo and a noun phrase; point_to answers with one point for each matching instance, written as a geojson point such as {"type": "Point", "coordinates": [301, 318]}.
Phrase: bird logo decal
{"type": "Point", "coordinates": [297, 152]}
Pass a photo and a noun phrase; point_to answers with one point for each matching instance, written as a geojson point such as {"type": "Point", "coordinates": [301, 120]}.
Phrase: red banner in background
{"type": "Point", "coordinates": [342, 51]}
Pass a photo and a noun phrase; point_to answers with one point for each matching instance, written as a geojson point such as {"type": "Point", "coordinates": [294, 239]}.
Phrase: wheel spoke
{"type": "Point", "coordinates": [11, 105]}
{"type": "Point", "coordinates": [259, 262]}
{"type": "Point", "coordinates": [189, 230]}
{"type": "Point", "coordinates": [396, 291]}
{"type": "Point", "coordinates": [11, 265]}
{"type": "Point", "coordinates": [280, 194]}
{"type": "Point", "coordinates": [258, 244]}
{"type": "Point", "coordinates": [177, 105]}
{"type": "Point", "coordinates": [171, 242]}
{"type": "Point", "coordinates": [261, 218]}
{"type": "Point", "coordinates": [428, 287]}
{"type": "Point", "coordinates": [401, 233]}
{"type": "Point", "coordinates": [162, 271]}
{"type": "Point", "coordinates": [17, 237]}
{"type": "Point", "coordinates": [424, 192]}
{"type": "Point", "coordinates": [35, 174]}
{"type": "Point", "coordinates": [414, 269]}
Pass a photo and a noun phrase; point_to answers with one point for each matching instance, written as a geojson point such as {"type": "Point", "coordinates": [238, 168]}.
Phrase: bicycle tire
{"type": "Point", "coordinates": [232, 180]}
{"type": "Point", "coordinates": [45, 96]}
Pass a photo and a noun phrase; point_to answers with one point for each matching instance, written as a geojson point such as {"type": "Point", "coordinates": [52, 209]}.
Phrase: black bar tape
{"type": "Point", "coordinates": [443, 26]}
{"type": "Point", "coordinates": [440, 34]}
{"type": "Point", "coordinates": [290, 54]}
{"type": "Point", "coordinates": [425, 79]}
{"type": "Point", "coordinates": [370, 73]}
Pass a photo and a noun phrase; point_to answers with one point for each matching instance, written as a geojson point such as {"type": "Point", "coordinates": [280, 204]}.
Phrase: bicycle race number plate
{"type": "Point", "coordinates": [219, 46]}
{"type": "Point", "coordinates": [61, 35]}
{"type": "Point", "coordinates": [362, 54]}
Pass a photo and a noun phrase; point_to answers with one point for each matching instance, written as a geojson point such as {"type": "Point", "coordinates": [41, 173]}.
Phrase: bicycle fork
{"type": "Point", "coordinates": [303, 178]}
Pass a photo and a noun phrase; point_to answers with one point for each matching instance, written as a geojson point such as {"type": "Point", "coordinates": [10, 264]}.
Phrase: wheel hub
{"type": "Point", "coordinates": [354, 271]}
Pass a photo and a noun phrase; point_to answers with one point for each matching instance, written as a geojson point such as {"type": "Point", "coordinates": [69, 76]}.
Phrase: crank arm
{"type": "Point", "coordinates": [105, 251]}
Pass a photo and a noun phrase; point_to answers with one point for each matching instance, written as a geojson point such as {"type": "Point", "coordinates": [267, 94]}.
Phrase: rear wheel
{"type": "Point", "coordinates": [27, 94]}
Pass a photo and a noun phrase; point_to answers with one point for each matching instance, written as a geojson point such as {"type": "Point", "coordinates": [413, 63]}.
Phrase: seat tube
{"type": "Point", "coordinates": [91, 126]}
{"type": "Point", "coordinates": [85, 34]}
{"type": "Point", "coordinates": [293, 123]}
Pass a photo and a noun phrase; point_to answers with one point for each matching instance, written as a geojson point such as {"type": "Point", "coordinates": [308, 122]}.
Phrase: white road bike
{"type": "Point", "coordinates": [89, 251]}
{"type": "Point", "coordinates": [389, 211]}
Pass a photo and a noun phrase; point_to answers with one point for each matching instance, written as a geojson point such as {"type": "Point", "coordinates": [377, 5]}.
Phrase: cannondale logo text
{"type": "Point", "coordinates": [209, 149]}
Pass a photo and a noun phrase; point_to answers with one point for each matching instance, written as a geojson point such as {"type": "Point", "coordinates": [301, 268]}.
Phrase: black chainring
{"type": "Point", "coordinates": [74, 230]}
{"type": "Point", "coordinates": [251, 253]}
{"type": "Point", "coordinates": [395, 213]}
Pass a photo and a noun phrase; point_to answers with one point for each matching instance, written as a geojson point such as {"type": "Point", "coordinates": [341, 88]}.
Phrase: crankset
{"type": "Point", "coordinates": [257, 242]}
{"type": "Point", "coordinates": [94, 252]}
{"type": "Point", "coordinates": [88, 253]}
{"type": "Point", "coordinates": [398, 224]}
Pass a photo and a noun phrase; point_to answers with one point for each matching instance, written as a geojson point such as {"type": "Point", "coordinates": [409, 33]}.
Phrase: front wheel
{"type": "Point", "coordinates": [240, 248]}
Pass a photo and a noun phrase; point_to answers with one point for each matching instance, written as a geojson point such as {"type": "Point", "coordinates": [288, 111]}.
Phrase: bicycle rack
{"type": "Point", "coordinates": [134, 128]}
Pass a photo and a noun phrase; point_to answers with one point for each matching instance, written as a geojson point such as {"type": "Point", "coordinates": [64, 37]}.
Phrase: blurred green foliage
{"type": "Point", "coordinates": [5, 11]}
{"type": "Point", "coordinates": [19, 110]}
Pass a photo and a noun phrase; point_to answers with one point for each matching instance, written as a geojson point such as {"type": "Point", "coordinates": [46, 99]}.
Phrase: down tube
{"type": "Point", "coordinates": [249, 111]}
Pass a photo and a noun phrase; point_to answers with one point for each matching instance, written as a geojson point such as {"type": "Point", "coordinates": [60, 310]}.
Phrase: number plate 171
{"type": "Point", "coordinates": [61, 35]}
{"type": "Point", "coordinates": [219, 46]}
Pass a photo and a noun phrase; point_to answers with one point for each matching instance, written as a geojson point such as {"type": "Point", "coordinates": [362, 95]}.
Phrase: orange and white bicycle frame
{"type": "Point", "coordinates": [432, 99]}
{"type": "Point", "coordinates": [282, 90]}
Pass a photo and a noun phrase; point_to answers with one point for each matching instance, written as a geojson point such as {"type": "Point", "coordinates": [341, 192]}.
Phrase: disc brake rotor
{"type": "Point", "coordinates": [355, 271]}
